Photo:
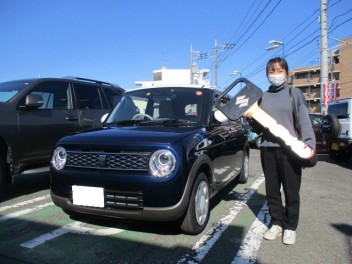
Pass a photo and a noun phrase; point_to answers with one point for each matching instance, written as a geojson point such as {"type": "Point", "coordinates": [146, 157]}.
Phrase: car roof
{"type": "Point", "coordinates": [170, 86]}
{"type": "Point", "coordinates": [71, 79]}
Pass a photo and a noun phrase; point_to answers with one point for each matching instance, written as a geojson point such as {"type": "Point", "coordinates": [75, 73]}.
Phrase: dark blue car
{"type": "Point", "coordinates": [160, 156]}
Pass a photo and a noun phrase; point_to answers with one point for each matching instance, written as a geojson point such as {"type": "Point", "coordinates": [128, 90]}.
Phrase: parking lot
{"type": "Point", "coordinates": [33, 230]}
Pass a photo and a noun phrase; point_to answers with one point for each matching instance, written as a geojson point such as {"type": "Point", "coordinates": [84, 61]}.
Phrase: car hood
{"type": "Point", "coordinates": [131, 135]}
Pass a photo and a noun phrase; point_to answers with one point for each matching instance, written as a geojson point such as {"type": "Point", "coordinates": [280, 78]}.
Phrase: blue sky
{"type": "Point", "coordinates": [124, 41]}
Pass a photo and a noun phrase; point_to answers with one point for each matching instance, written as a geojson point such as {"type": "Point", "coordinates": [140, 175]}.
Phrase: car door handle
{"type": "Point", "coordinates": [72, 118]}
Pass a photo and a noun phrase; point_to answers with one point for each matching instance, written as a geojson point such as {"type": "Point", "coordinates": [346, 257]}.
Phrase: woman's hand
{"type": "Point", "coordinates": [312, 151]}
{"type": "Point", "coordinates": [248, 115]}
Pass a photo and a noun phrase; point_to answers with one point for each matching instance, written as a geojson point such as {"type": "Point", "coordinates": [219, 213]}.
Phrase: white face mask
{"type": "Point", "coordinates": [277, 79]}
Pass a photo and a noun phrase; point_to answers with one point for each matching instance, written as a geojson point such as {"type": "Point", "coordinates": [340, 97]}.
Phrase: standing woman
{"type": "Point", "coordinates": [281, 167]}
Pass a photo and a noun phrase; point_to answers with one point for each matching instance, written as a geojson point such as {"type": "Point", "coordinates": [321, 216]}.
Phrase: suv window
{"type": "Point", "coordinates": [10, 89]}
{"type": "Point", "coordinates": [113, 95]}
{"type": "Point", "coordinates": [340, 110]}
{"type": "Point", "coordinates": [88, 97]}
{"type": "Point", "coordinates": [56, 95]}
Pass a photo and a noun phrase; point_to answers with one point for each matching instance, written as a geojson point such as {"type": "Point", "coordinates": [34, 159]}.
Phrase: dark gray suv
{"type": "Point", "coordinates": [35, 113]}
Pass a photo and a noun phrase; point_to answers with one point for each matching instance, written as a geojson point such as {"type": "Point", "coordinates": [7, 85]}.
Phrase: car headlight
{"type": "Point", "coordinates": [162, 163]}
{"type": "Point", "coordinates": [59, 158]}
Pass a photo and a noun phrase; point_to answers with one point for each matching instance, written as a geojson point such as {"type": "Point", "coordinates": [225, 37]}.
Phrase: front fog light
{"type": "Point", "coordinates": [162, 163]}
{"type": "Point", "coordinates": [59, 158]}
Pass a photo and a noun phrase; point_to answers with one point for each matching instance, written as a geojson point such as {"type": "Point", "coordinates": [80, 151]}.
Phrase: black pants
{"type": "Point", "coordinates": [281, 170]}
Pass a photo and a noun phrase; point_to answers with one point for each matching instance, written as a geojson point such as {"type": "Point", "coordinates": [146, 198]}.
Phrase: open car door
{"type": "Point", "coordinates": [242, 96]}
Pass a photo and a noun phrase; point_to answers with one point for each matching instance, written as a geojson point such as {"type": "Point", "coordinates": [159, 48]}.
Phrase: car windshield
{"type": "Point", "coordinates": [10, 89]}
{"type": "Point", "coordinates": [165, 105]}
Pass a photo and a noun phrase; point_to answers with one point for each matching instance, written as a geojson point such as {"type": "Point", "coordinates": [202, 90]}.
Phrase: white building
{"type": "Point", "coordinates": [166, 76]}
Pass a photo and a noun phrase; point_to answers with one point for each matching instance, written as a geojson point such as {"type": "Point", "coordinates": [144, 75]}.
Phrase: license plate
{"type": "Point", "coordinates": [334, 146]}
{"type": "Point", "coordinates": [88, 196]}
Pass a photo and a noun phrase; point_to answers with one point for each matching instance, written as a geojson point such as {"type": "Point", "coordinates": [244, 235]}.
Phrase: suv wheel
{"type": "Point", "coordinates": [331, 126]}
{"type": "Point", "coordinates": [197, 215]}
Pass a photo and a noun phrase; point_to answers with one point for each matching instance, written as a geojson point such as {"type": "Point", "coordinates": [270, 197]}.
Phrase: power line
{"type": "Point", "coordinates": [245, 41]}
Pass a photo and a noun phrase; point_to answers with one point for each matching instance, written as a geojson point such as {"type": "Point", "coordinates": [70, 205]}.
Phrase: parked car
{"type": "Point", "coordinates": [321, 141]}
{"type": "Point", "coordinates": [160, 156]}
{"type": "Point", "coordinates": [36, 113]}
{"type": "Point", "coordinates": [337, 126]}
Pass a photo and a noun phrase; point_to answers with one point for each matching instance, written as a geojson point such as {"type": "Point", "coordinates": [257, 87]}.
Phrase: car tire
{"type": "Point", "coordinates": [331, 126]}
{"type": "Point", "coordinates": [258, 140]}
{"type": "Point", "coordinates": [243, 178]}
{"type": "Point", "coordinates": [198, 211]}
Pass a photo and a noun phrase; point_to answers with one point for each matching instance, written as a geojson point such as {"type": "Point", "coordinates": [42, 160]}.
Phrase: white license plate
{"type": "Point", "coordinates": [88, 196]}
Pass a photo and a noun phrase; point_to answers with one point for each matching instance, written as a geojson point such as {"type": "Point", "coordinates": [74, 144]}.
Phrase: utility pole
{"type": "Point", "coordinates": [216, 51]}
{"type": "Point", "coordinates": [323, 52]}
{"type": "Point", "coordinates": [191, 65]}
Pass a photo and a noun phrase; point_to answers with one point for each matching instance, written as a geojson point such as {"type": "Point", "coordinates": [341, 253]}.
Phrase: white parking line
{"type": "Point", "coordinates": [250, 245]}
{"type": "Point", "coordinates": [23, 212]}
{"type": "Point", "coordinates": [76, 228]}
{"type": "Point", "coordinates": [202, 247]}
{"type": "Point", "coordinates": [25, 203]}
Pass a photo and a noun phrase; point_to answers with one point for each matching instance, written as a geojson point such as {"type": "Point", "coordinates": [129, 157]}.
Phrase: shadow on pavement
{"type": "Point", "coordinates": [25, 184]}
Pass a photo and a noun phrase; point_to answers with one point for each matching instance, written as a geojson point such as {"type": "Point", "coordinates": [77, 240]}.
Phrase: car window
{"type": "Point", "coordinates": [87, 97]}
{"type": "Point", "coordinates": [10, 89]}
{"type": "Point", "coordinates": [316, 120]}
{"type": "Point", "coordinates": [56, 95]}
{"type": "Point", "coordinates": [113, 95]}
{"type": "Point", "coordinates": [340, 110]}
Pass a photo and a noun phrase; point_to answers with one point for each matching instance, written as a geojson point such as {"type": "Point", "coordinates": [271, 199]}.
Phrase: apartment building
{"type": "Point", "coordinates": [166, 76]}
{"type": "Point", "coordinates": [340, 78]}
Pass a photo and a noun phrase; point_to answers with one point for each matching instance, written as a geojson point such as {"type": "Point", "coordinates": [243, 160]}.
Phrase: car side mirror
{"type": "Point", "coordinates": [34, 100]}
{"type": "Point", "coordinates": [219, 116]}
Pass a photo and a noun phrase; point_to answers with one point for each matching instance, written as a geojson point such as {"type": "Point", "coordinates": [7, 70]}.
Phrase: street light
{"type": "Point", "coordinates": [277, 44]}
{"type": "Point", "coordinates": [235, 73]}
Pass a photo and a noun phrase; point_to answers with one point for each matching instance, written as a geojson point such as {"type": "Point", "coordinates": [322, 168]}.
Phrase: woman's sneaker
{"type": "Point", "coordinates": [289, 237]}
{"type": "Point", "coordinates": [273, 232]}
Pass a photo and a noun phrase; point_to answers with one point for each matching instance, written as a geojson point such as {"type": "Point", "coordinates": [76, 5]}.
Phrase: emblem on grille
{"type": "Point", "coordinates": [102, 160]}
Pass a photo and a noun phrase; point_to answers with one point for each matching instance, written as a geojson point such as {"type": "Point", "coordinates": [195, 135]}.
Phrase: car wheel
{"type": "Point", "coordinates": [257, 142]}
{"type": "Point", "coordinates": [331, 126]}
{"type": "Point", "coordinates": [243, 178]}
{"type": "Point", "coordinates": [197, 215]}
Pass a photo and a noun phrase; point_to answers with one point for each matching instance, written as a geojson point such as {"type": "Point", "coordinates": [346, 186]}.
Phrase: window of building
{"type": "Point", "coordinates": [334, 76]}
{"type": "Point", "coordinates": [302, 75]}
{"type": "Point", "coordinates": [157, 76]}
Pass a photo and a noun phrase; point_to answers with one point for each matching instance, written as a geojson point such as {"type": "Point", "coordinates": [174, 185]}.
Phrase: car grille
{"type": "Point", "coordinates": [115, 199]}
{"type": "Point", "coordinates": [123, 200]}
{"type": "Point", "coordinates": [108, 161]}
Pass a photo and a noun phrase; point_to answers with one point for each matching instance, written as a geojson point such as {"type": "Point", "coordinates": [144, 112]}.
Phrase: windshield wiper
{"type": "Point", "coordinates": [125, 122]}
{"type": "Point", "coordinates": [177, 121]}
{"type": "Point", "coordinates": [172, 121]}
